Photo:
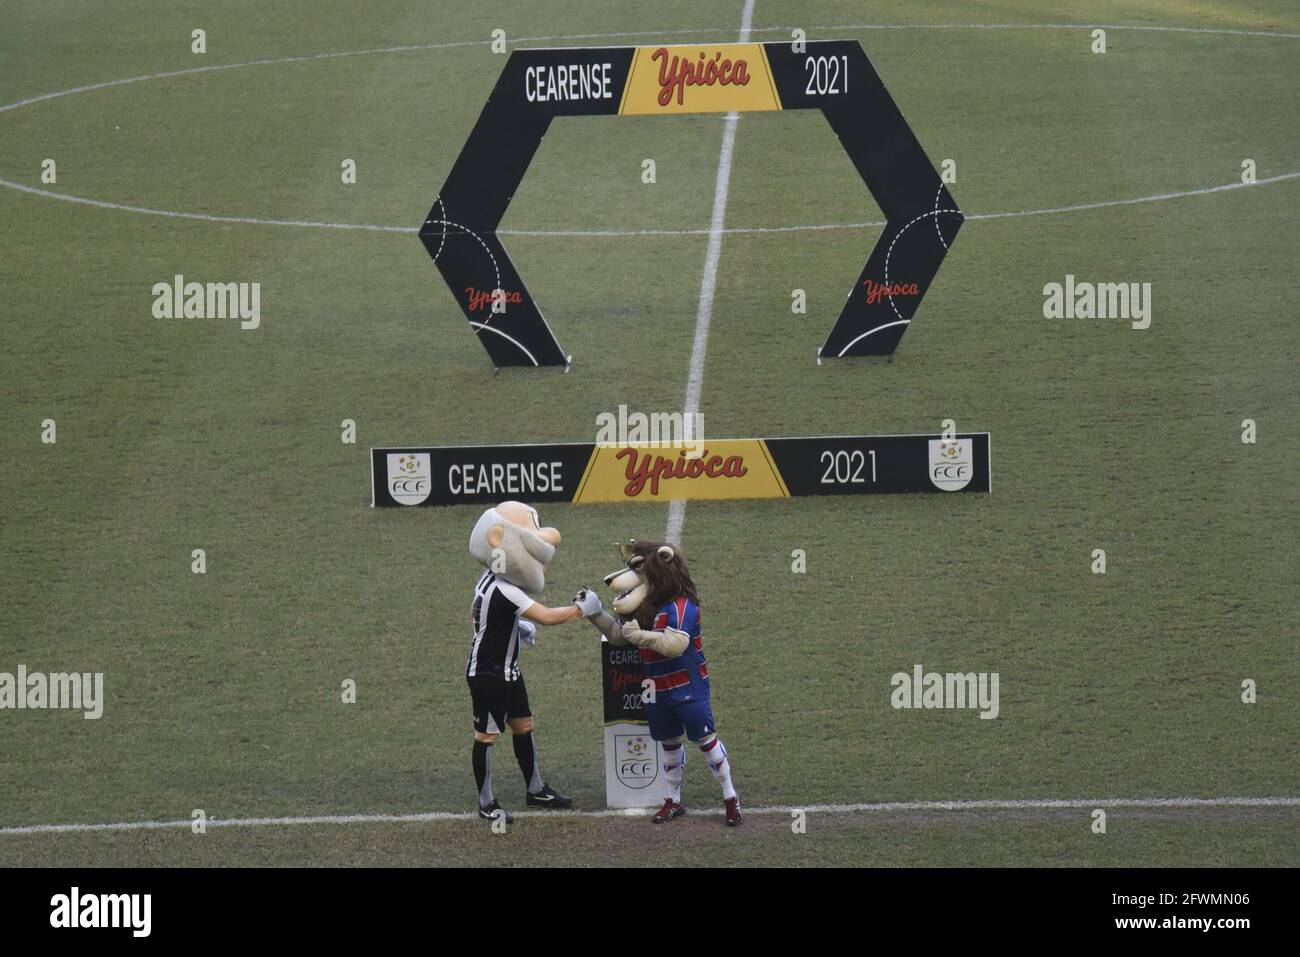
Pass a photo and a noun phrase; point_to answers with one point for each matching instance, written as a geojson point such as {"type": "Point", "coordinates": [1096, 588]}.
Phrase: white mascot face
{"type": "Point", "coordinates": [511, 542]}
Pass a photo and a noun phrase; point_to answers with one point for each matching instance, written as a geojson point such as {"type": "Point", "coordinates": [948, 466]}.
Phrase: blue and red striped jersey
{"type": "Point", "coordinates": [687, 675]}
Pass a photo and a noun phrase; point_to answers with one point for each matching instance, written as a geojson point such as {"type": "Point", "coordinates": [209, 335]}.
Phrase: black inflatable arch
{"type": "Point", "coordinates": [833, 76]}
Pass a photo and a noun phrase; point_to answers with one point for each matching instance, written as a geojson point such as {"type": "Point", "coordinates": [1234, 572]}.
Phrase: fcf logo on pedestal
{"type": "Point", "coordinates": [637, 760]}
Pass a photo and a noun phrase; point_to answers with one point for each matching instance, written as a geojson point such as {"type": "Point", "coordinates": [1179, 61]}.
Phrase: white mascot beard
{"type": "Point", "coordinates": [526, 553]}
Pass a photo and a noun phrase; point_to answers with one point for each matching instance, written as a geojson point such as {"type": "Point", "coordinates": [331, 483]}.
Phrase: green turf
{"type": "Point", "coordinates": [223, 690]}
{"type": "Point", "coordinates": [965, 839]}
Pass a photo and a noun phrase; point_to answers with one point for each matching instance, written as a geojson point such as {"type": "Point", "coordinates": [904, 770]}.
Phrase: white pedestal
{"type": "Point", "coordinates": [634, 775]}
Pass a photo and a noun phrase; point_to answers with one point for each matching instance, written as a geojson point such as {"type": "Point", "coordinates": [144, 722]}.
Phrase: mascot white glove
{"type": "Point", "coordinates": [588, 602]}
{"type": "Point", "coordinates": [527, 634]}
{"type": "Point", "coordinates": [670, 642]}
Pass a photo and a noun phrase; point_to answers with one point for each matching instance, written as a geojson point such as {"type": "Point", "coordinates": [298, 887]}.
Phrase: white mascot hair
{"type": "Point", "coordinates": [526, 553]}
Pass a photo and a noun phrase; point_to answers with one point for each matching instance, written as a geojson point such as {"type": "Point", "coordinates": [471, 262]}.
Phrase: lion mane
{"type": "Point", "coordinates": [665, 580]}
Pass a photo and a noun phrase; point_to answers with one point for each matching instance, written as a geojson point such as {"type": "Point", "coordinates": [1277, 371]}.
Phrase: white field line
{"type": "Point", "coordinates": [831, 27]}
{"type": "Point", "coordinates": [253, 220]}
{"type": "Point", "coordinates": [232, 66]}
{"type": "Point", "coordinates": [968, 217]}
{"type": "Point", "coordinates": [307, 58]}
{"type": "Point", "coordinates": [1031, 804]}
{"type": "Point", "coordinates": [1045, 26]}
{"type": "Point", "coordinates": [708, 284]}
{"type": "Point", "coordinates": [633, 233]}
{"type": "Point", "coordinates": [203, 217]}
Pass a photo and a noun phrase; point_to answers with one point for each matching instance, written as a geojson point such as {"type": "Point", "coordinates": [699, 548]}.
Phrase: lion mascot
{"type": "Point", "coordinates": [656, 607]}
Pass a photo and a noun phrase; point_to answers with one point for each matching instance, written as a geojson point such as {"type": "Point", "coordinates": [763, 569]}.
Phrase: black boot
{"type": "Point", "coordinates": [493, 811]}
{"type": "Point", "coordinates": [547, 797]}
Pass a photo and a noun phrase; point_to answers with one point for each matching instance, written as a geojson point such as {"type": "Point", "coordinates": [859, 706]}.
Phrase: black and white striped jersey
{"type": "Point", "coordinates": [495, 617]}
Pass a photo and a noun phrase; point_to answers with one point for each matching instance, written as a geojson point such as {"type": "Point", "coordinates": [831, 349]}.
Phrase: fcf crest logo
{"type": "Point", "coordinates": [410, 477]}
{"type": "Point", "coordinates": [636, 760]}
{"type": "Point", "coordinates": [951, 464]}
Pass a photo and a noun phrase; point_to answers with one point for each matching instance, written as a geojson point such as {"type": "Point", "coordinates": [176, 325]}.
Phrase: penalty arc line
{"type": "Point", "coordinates": [875, 807]}
{"type": "Point", "coordinates": [708, 284]}
{"type": "Point", "coordinates": [634, 233]}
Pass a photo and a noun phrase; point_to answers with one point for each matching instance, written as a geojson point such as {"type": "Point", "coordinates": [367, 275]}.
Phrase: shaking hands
{"type": "Point", "coordinates": [588, 602]}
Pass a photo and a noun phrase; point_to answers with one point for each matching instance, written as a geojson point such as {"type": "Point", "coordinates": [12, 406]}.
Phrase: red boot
{"type": "Point", "coordinates": [733, 812]}
{"type": "Point", "coordinates": [670, 810]}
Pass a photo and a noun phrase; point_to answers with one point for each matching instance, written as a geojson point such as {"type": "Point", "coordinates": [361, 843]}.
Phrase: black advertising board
{"type": "Point", "coordinates": [586, 472]}
{"type": "Point", "coordinates": [621, 677]}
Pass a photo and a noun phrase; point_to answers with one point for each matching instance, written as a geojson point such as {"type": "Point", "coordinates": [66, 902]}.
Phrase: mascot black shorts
{"type": "Point", "coordinates": [496, 702]}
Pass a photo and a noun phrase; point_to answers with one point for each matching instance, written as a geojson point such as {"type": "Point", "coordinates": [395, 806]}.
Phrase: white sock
{"type": "Point", "coordinates": [674, 768]}
{"type": "Point", "coordinates": [715, 753]}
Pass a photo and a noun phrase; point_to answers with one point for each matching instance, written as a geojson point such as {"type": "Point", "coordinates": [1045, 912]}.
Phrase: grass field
{"type": "Point", "coordinates": [223, 689]}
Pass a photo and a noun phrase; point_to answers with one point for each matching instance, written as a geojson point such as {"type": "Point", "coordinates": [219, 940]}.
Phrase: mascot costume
{"type": "Point", "coordinates": [657, 609]}
{"type": "Point", "coordinates": [514, 549]}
